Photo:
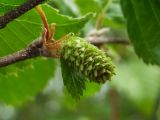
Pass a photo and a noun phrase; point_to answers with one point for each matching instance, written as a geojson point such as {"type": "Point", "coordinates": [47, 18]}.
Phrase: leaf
{"type": "Point", "coordinates": [16, 89]}
{"type": "Point", "coordinates": [12, 2]}
{"type": "Point", "coordinates": [91, 89]}
{"type": "Point", "coordinates": [114, 17]}
{"type": "Point", "coordinates": [7, 5]}
{"type": "Point", "coordinates": [143, 21]}
{"type": "Point", "coordinates": [16, 80]}
{"type": "Point", "coordinates": [68, 7]}
{"type": "Point", "coordinates": [64, 24]}
{"type": "Point", "coordinates": [86, 6]}
{"type": "Point", "coordinates": [77, 85]}
{"type": "Point", "coordinates": [74, 83]}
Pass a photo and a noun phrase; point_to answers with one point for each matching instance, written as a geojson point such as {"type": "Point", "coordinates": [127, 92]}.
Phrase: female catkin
{"type": "Point", "coordinates": [87, 60]}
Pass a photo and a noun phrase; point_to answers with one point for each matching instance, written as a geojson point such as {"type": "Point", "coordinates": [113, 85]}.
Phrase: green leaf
{"type": "Point", "coordinates": [91, 89]}
{"type": "Point", "coordinates": [86, 6]}
{"type": "Point", "coordinates": [12, 2]}
{"type": "Point", "coordinates": [114, 17]}
{"type": "Point", "coordinates": [16, 89]}
{"type": "Point", "coordinates": [74, 83]}
{"type": "Point", "coordinates": [7, 5]}
{"type": "Point", "coordinates": [66, 7]}
{"type": "Point", "coordinates": [74, 80]}
{"type": "Point", "coordinates": [16, 80]}
{"type": "Point", "coordinates": [143, 21]}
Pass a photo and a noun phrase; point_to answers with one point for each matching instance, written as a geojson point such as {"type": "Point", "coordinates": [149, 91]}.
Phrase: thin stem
{"type": "Point", "coordinates": [101, 15]}
{"type": "Point", "coordinates": [99, 21]}
{"type": "Point", "coordinates": [113, 94]}
{"type": "Point", "coordinates": [155, 108]}
{"type": "Point", "coordinates": [106, 7]}
{"type": "Point", "coordinates": [44, 20]}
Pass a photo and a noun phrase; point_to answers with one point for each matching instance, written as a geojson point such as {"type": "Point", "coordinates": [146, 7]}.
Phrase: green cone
{"type": "Point", "coordinates": [87, 60]}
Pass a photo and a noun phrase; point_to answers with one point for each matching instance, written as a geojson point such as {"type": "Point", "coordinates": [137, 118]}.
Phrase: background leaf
{"type": "Point", "coordinates": [7, 5]}
{"type": "Point", "coordinates": [139, 83]}
{"type": "Point", "coordinates": [143, 22]}
{"type": "Point", "coordinates": [16, 89]}
{"type": "Point", "coordinates": [114, 17]}
{"type": "Point", "coordinates": [89, 6]}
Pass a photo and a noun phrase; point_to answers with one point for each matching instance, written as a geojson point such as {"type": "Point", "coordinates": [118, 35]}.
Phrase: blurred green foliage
{"type": "Point", "coordinates": [133, 94]}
